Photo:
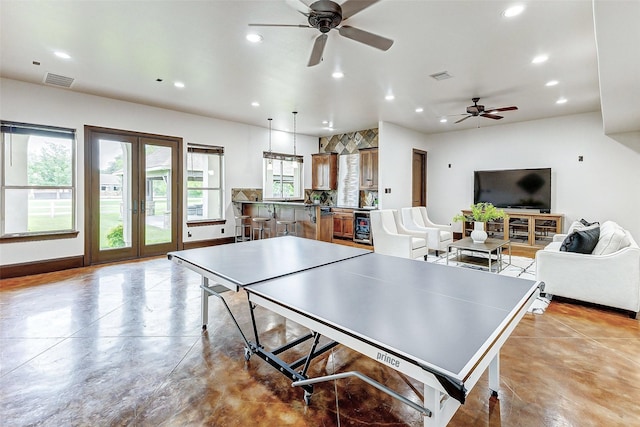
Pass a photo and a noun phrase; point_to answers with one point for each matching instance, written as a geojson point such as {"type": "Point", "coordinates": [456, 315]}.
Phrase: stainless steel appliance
{"type": "Point", "coordinates": [362, 227]}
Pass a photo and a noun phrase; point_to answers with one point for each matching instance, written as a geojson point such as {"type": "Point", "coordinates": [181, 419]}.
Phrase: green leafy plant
{"type": "Point", "coordinates": [481, 212]}
{"type": "Point", "coordinates": [115, 238]}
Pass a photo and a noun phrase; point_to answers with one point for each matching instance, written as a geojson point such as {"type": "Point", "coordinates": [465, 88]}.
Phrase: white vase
{"type": "Point", "coordinates": [478, 235]}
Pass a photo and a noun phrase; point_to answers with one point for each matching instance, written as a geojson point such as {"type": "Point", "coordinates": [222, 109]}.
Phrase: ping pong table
{"type": "Point", "coordinates": [443, 326]}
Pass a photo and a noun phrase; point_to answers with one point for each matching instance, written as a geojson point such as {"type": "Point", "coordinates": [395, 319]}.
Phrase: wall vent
{"type": "Point", "coordinates": [443, 75]}
{"type": "Point", "coordinates": [58, 80]}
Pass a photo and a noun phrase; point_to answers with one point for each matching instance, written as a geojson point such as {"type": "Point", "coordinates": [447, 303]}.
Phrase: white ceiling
{"type": "Point", "coordinates": [119, 48]}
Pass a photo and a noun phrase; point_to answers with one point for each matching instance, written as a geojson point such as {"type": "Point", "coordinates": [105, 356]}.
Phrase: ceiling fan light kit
{"type": "Point", "coordinates": [325, 15]}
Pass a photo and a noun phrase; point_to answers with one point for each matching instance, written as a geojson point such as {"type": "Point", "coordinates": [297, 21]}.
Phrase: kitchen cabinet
{"type": "Point", "coordinates": [369, 169]}
{"type": "Point", "coordinates": [342, 223]}
{"type": "Point", "coordinates": [324, 171]}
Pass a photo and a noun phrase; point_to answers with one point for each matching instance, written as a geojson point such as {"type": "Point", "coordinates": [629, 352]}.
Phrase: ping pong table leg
{"type": "Point", "coordinates": [432, 402]}
{"type": "Point", "coordinates": [494, 375]}
{"type": "Point", "coordinates": [204, 303]}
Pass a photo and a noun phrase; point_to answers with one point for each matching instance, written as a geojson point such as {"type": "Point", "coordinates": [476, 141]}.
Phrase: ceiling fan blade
{"type": "Point", "coordinates": [351, 7]}
{"type": "Point", "coordinates": [501, 109]}
{"type": "Point", "coordinates": [491, 116]}
{"type": "Point", "coordinates": [366, 37]}
{"type": "Point", "coordinates": [281, 25]}
{"type": "Point", "coordinates": [463, 119]}
{"type": "Point", "coordinates": [301, 6]}
{"type": "Point", "coordinates": [318, 49]}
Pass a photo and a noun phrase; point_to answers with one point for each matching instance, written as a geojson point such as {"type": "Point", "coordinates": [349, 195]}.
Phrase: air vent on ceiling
{"type": "Point", "coordinates": [58, 80]}
{"type": "Point", "coordinates": [443, 75]}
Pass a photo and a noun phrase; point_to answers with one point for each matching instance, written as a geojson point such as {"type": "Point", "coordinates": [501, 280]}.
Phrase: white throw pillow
{"type": "Point", "coordinates": [612, 239]}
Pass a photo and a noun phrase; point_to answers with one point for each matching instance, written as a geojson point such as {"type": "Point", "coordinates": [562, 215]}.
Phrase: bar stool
{"type": "Point", "coordinates": [261, 229]}
{"type": "Point", "coordinates": [286, 224]}
{"type": "Point", "coordinates": [243, 229]}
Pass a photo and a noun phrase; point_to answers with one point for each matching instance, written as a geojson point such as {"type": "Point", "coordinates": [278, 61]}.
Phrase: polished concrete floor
{"type": "Point", "coordinates": [121, 344]}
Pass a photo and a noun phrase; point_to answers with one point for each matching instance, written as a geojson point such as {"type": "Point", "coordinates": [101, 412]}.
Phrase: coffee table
{"type": "Point", "coordinates": [490, 247]}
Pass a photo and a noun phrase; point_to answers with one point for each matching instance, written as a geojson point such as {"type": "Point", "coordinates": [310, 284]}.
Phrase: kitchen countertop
{"type": "Point", "coordinates": [301, 203]}
{"type": "Point", "coordinates": [278, 202]}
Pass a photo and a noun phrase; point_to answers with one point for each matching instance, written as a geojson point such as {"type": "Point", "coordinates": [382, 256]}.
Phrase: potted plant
{"type": "Point", "coordinates": [316, 198]}
{"type": "Point", "coordinates": [480, 214]}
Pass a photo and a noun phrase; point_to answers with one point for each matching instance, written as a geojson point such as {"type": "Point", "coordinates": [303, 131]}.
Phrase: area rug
{"type": "Point", "coordinates": [521, 267]}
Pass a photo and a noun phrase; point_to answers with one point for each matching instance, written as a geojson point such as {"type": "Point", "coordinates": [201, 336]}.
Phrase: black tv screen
{"type": "Point", "coordinates": [514, 188]}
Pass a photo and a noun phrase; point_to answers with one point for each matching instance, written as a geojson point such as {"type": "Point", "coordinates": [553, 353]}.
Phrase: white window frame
{"type": "Point", "coordinates": [218, 155]}
{"type": "Point", "coordinates": [270, 159]}
{"type": "Point", "coordinates": [8, 130]}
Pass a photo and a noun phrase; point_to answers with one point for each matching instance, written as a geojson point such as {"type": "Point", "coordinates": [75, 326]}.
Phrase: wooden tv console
{"type": "Point", "coordinates": [528, 232]}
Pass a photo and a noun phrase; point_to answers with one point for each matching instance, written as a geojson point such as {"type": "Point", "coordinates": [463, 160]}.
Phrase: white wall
{"type": "Point", "coordinates": [395, 162]}
{"type": "Point", "coordinates": [602, 187]}
{"type": "Point", "coordinates": [244, 144]}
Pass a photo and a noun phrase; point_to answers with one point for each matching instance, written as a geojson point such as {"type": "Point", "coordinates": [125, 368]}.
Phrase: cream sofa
{"type": "Point", "coordinates": [609, 276]}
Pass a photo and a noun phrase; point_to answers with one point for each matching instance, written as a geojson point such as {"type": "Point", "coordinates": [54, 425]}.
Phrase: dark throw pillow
{"type": "Point", "coordinates": [587, 223]}
{"type": "Point", "coordinates": [581, 241]}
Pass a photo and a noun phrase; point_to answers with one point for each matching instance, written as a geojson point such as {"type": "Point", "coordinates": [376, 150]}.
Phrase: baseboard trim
{"type": "Point", "coordinates": [51, 265]}
{"type": "Point", "coordinates": [38, 267]}
{"type": "Point", "coordinates": [210, 242]}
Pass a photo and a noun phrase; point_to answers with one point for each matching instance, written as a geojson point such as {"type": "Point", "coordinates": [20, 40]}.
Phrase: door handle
{"type": "Point", "coordinates": [141, 206]}
{"type": "Point", "coordinates": [135, 207]}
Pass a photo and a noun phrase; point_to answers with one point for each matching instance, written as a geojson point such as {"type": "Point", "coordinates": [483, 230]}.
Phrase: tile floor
{"type": "Point", "coordinates": [121, 344]}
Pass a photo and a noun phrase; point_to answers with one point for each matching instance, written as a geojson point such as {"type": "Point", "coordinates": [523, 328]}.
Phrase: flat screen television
{"type": "Point", "coordinates": [514, 188]}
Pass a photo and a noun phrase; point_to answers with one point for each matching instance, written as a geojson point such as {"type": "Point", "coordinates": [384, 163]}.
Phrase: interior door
{"type": "Point", "coordinates": [133, 202]}
{"type": "Point", "coordinates": [419, 179]}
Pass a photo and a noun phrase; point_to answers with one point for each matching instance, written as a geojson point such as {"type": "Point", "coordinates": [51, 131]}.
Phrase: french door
{"type": "Point", "coordinates": [133, 204]}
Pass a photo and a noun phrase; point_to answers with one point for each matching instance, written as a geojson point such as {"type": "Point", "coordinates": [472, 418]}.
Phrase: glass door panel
{"type": "Point", "coordinates": [157, 204]}
{"type": "Point", "coordinates": [495, 229]}
{"type": "Point", "coordinates": [544, 231]}
{"type": "Point", "coordinates": [519, 230]}
{"type": "Point", "coordinates": [116, 207]}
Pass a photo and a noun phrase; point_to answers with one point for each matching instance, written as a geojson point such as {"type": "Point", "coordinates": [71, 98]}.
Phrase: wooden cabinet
{"type": "Point", "coordinates": [528, 232]}
{"type": "Point", "coordinates": [369, 169]}
{"type": "Point", "coordinates": [324, 171]}
{"type": "Point", "coordinates": [342, 223]}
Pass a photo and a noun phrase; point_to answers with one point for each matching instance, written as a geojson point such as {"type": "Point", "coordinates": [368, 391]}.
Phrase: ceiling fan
{"type": "Point", "coordinates": [476, 110]}
{"type": "Point", "coordinates": [325, 15]}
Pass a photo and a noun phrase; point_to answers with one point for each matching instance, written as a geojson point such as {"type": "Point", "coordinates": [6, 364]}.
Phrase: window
{"type": "Point", "coordinates": [38, 194]}
{"type": "Point", "coordinates": [283, 175]}
{"type": "Point", "coordinates": [205, 183]}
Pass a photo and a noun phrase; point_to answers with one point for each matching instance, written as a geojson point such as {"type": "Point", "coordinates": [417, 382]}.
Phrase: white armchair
{"type": "Point", "coordinates": [416, 219]}
{"type": "Point", "coordinates": [390, 237]}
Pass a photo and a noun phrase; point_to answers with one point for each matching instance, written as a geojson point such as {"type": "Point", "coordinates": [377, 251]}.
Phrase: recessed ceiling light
{"type": "Point", "coordinates": [325, 122]}
{"type": "Point", "coordinates": [62, 55]}
{"type": "Point", "coordinates": [337, 75]}
{"type": "Point", "coordinates": [443, 120]}
{"type": "Point", "coordinates": [254, 38]}
{"type": "Point", "coordinates": [561, 101]}
{"type": "Point", "coordinates": [540, 59]}
{"type": "Point", "coordinates": [419, 110]}
{"type": "Point", "coordinates": [389, 97]}
{"type": "Point", "coordinates": [551, 83]}
{"type": "Point", "coordinates": [513, 11]}
{"type": "Point", "coordinates": [255, 104]}
{"type": "Point", "coordinates": [179, 85]}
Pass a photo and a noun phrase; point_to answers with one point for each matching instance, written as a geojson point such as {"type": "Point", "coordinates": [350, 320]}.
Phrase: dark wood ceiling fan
{"type": "Point", "coordinates": [476, 110]}
{"type": "Point", "coordinates": [325, 15]}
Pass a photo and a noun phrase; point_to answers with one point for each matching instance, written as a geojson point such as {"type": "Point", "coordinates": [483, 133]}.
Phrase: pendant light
{"type": "Point", "coordinates": [270, 161]}
{"type": "Point", "coordinates": [295, 162]}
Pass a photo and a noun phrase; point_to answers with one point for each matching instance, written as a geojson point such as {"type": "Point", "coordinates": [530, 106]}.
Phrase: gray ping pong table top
{"type": "Point", "coordinates": [254, 261]}
{"type": "Point", "coordinates": [438, 316]}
